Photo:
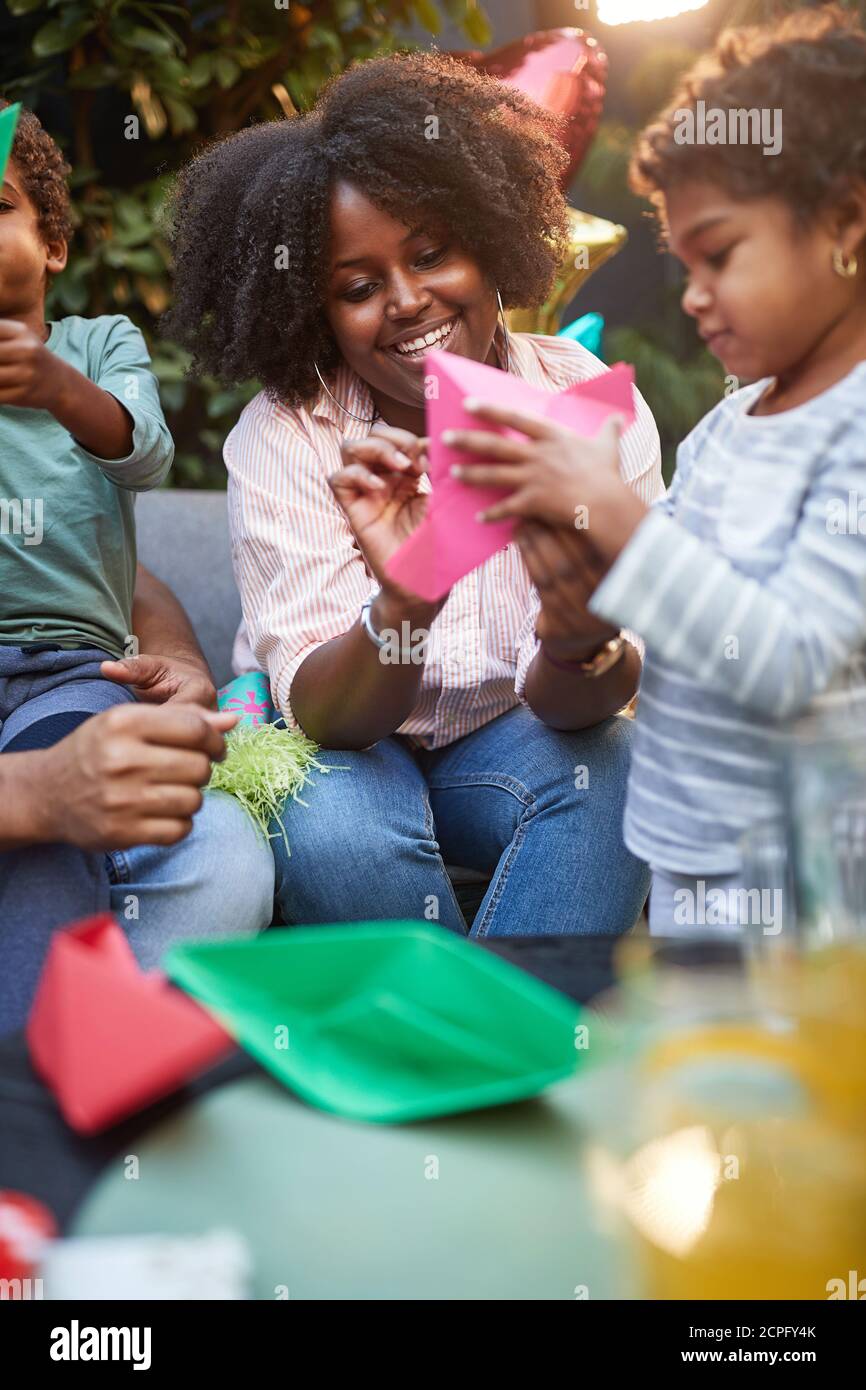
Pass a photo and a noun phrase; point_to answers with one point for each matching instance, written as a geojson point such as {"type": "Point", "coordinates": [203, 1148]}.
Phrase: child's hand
{"type": "Point", "coordinates": [550, 474]}
{"type": "Point", "coordinates": [27, 368]}
{"type": "Point", "coordinates": [31, 375]}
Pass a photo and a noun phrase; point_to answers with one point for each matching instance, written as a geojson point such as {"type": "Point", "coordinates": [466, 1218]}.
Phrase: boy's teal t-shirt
{"type": "Point", "coordinates": [67, 524]}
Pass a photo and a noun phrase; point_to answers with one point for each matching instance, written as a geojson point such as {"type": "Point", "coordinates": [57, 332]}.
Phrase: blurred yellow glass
{"type": "Point", "coordinates": [763, 1209]}
{"type": "Point", "coordinates": [736, 1147]}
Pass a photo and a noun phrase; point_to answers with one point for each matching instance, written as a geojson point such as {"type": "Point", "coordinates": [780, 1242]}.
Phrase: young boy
{"type": "Point", "coordinates": [81, 431]}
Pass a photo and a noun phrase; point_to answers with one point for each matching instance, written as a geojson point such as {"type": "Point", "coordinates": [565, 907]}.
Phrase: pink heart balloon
{"type": "Point", "coordinates": [564, 70]}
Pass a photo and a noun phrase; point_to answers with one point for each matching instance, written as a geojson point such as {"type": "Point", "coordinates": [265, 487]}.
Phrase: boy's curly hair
{"type": "Point", "coordinates": [490, 176]}
{"type": "Point", "coordinates": [44, 172]}
{"type": "Point", "coordinates": [812, 66]}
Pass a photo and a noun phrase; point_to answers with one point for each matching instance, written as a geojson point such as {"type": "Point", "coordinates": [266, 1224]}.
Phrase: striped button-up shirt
{"type": "Point", "coordinates": [303, 579]}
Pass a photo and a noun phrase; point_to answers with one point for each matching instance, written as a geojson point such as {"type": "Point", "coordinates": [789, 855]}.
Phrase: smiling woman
{"type": "Point", "coordinates": [326, 255]}
{"type": "Point", "coordinates": [439, 299]}
{"type": "Point", "coordinates": [425, 138]}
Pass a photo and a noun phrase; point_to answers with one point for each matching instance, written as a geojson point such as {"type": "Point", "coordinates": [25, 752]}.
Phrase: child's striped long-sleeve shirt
{"type": "Point", "coordinates": [748, 585]}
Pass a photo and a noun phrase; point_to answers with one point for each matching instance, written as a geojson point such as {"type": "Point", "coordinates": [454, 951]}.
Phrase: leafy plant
{"type": "Point", "coordinates": [131, 89]}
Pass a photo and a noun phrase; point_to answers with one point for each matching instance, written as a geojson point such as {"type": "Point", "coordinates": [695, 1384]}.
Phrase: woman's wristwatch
{"type": "Point", "coordinates": [598, 665]}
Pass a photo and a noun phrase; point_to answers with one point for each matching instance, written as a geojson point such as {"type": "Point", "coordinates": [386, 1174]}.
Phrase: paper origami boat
{"type": "Point", "coordinates": [450, 543]}
{"type": "Point", "coordinates": [385, 1021]}
{"type": "Point", "coordinates": [106, 1037]}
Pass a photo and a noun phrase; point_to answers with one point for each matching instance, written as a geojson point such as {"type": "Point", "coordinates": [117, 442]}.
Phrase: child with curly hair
{"type": "Point", "coordinates": [81, 431]}
{"type": "Point", "coordinates": [747, 582]}
{"type": "Point", "coordinates": [324, 256]}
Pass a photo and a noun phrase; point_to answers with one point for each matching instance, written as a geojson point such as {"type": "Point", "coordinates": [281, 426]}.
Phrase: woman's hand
{"type": "Point", "coordinates": [552, 475]}
{"type": "Point", "coordinates": [377, 488]}
{"type": "Point", "coordinates": [561, 567]}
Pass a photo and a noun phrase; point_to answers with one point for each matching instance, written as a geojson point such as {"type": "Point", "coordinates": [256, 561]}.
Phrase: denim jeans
{"type": "Point", "coordinates": [538, 809]}
{"type": "Point", "coordinates": [46, 693]}
{"type": "Point", "coordinates": [218, 882]}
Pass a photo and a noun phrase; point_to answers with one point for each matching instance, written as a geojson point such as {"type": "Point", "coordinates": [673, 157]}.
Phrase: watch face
{"type": "Point", "coordinates": [603, 660]}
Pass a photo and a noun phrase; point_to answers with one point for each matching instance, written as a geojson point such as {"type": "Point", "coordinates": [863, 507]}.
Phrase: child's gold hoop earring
{"type": "Point", "coordinates": [846, 266]}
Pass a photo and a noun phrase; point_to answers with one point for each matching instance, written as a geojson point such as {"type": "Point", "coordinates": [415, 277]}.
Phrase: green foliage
{"type": "Point", "coordinates": [680, 389]}
{"type": "Point", "coordinates": [131, 89]}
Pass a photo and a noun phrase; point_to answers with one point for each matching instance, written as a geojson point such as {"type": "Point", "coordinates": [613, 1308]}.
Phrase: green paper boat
{"type": "Point", "coordinates": [385, 1021]}
{"type": "Point", "coordinates": [8, 122]}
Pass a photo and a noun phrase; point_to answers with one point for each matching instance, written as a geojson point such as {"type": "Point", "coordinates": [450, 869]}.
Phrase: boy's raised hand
{"type": "Point", "coordinates": [33, 376]}
{"type": "Point", "coordinates": [27, 368]}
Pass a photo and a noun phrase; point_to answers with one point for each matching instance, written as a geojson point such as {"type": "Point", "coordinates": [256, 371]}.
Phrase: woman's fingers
{"type": "Point", "coordinates": [543, 562]}
{"type": "Point", "coordinates": [535, 426]}
{"type": "Point", "coordinates": [379, 452]}
{"type": "Point", "coordinates": [554, 561]}
{"type": "Point", "coordinates": [527, 541]}
{"type": "Point", "coordinates": [577, 547]}
{"type": "Point", "coordinates": [517, 505]}
{"type": "Point", "coordinates": [405, 445]}
{"type": "Point", "coordinates": [538, 542]}
{"type": "Point", "coordinates": [356, 479]}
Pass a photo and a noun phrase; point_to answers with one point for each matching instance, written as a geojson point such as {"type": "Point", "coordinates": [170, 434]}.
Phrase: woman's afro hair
{"type": "Point", "coordinates": [812, 67]}
{"type": "Point", "coordinates": [417, 134]}
{"type": "Point", "coordinates": [43, 171]}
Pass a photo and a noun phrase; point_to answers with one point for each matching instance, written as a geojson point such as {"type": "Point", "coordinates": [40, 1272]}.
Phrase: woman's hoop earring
{"type": "Point", "coordinates": [365, 419]}
{"type": "Point", "coordinates": [846, 266]}
{"type": "Point", "coordinates": [504, 332]}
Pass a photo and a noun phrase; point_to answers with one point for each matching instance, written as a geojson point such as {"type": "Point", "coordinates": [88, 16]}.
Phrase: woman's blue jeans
{"type": "Point", "coordinates": [539, 810]}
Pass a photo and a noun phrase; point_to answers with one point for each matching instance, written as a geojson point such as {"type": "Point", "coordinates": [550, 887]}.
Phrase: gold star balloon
{"type": "Point", "coordinates": [591, 242]}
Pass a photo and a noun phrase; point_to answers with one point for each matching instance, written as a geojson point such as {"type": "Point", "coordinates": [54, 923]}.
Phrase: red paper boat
{"type": "Point", "coordinates": [108, 1038]}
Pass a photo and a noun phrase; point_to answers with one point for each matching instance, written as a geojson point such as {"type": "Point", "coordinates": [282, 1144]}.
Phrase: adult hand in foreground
{"type": "Point", "coordinates": [129, 776]}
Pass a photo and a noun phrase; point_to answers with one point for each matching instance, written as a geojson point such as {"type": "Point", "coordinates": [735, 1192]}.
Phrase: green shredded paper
{"type": "Point", "coordinates": [264, 766]}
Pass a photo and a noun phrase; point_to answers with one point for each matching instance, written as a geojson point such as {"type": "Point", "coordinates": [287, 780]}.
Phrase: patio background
{"type": "Point", "coordinates": [174, 76]}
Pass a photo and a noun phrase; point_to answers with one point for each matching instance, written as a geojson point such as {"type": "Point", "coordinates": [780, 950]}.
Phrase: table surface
{"type": "Point", "coordinates": [41, 1155]}
{"type": "Point", "coordinates": [500, 1203]}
